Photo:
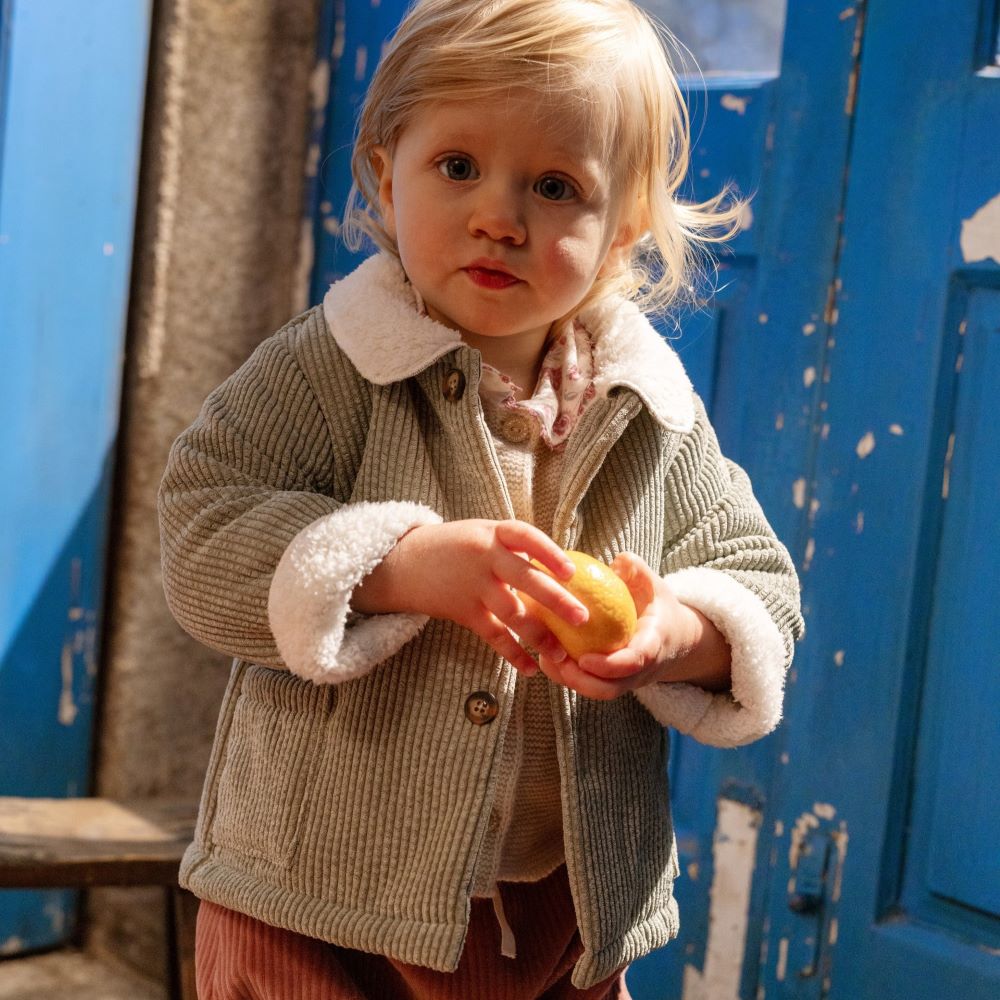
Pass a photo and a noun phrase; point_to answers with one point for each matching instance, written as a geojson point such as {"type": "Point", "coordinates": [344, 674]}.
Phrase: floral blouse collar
{"type": "Point", "coordinates": [564, 389]}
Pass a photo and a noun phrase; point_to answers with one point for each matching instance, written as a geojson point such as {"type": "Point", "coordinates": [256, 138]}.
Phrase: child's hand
{"type": "Point", "coordinates": [672, 642]}
{"type": "Point", "coordinates": [467, 571]}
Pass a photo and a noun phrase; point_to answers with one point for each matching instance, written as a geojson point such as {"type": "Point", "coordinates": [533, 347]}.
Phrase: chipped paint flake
{"type": "Point", "coordinates": [779, 828]}
{"type": "Point", "coordinates": [834, 931]}
{"type": "Point", "coordinates": [866, 445]}
{"type": "Point", "coordinates": [824, 810]}
{"type": "Point", "coordinates": [319, 85]}
{"type": "Point", "coordinates": [847, 13]}
{"type": "Point", "coordinates": [838, 658]}
{"type": "Point", "coordinates": [762, 318]}
{"type": "Point", "coordinates": [13, 945]}
{"type": "Point", "coordinates": [809, 376]}
{"type": "Point", "coordinates": [784, 757]}
{"type": "Point", "coordinates": [693, 870]}
{"type": "Point", "coordinates": [799, 493]}
{"type": "Point", "coordinates": [733, 103]}
{"type": "Point", "coordinates": [809, 329]}
{"type": "Point", "coordinates": [840, 839]}
{"type": "Point", "coordinates": [946, 476]}
{"type": "Point", "coordinates": [360, 62]}
{"type": "Point", "coordinates": [779, 422]}
{"type": "Point", "coordinates": [810, 552]}
{"type": "Point", "coordinates": [859, 522]}
{"type": "Point", "coordinates": [959, 363]}
{"type": "Point", "coordinates": [980, 239]}
{"type": "Point", "coordinates": [896, 429]}
{"type": "Point", "coordinates": [733, 851]}
{"type": "Point", "coordinates": [312, 159]}
{"type": "Point", "coordinates": [782, 967]}
{"type": "Point", "coordinates": [67, 707]}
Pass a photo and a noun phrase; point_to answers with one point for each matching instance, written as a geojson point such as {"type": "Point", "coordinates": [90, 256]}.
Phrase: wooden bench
{"type": "Point", "coordinates": [89, 842]}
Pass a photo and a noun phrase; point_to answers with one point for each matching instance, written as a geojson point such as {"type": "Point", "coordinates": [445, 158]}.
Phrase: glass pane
{"type": "Point", "coordinates": [726, 36]}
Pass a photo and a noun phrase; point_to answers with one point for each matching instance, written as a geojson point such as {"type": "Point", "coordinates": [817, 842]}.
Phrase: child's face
{"type": "Point", "coordinates": [502, 221]}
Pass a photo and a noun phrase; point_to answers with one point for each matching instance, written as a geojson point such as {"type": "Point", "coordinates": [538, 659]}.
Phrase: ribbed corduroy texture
{"type": "Point", "coordinates": [355, 813]}
{"type": "Point", "coordinates": [240, 958]}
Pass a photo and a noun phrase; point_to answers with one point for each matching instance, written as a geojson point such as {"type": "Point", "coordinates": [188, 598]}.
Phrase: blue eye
{"type": "Point", "coordinates": [458, 168]}
{"type": "Point", "coordinates": [555, 189]}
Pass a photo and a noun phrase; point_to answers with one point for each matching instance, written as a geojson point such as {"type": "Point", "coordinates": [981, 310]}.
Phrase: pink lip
{"type": "Point", "coordinates": [490, 274]}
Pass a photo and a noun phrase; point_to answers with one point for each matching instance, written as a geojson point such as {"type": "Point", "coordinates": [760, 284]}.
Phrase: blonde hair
{"type": "Point", "coordinates": [608, 58]}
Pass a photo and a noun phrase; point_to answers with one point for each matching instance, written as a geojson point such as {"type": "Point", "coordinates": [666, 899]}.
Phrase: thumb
{"type": "Point", "coordinates": [637, 576]}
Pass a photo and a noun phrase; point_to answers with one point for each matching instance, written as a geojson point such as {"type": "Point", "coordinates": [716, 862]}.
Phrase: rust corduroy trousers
{"type": "Point", "coordinates": [240, 958]}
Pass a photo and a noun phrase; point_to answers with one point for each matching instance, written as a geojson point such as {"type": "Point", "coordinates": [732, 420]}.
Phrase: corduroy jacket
{"type": "Point", "coordinates": [349, 787]}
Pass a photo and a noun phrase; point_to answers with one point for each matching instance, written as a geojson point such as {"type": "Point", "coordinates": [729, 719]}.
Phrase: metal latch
{"type": "Point", "coordinates": [807, 890]}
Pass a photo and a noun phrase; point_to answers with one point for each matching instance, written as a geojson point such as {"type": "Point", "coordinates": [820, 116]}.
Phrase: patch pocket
{"type": "Point", "coordinates": [269, 762]}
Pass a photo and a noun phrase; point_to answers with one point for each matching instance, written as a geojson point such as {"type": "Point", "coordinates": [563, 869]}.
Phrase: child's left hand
{"type": "Point", "coordinates": [672, 642]}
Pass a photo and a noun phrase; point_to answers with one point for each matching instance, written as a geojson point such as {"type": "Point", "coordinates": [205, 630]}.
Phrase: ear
{"type": "Point", "coordinates": [381, 160]}
{"type": "Point", "coordinates": [631, 225]}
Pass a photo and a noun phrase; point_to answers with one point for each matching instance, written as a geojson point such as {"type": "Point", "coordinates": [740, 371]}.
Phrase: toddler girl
{"type": "Point", "coordinates": [414, 791]}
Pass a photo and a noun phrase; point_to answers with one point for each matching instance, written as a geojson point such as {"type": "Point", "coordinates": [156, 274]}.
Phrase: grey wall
{"type": "Point", "coordinates": [216, 270]}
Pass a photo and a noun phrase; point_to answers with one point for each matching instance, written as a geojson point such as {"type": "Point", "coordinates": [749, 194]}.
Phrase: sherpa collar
{"type": "Point", "coordinates": [367, 311]}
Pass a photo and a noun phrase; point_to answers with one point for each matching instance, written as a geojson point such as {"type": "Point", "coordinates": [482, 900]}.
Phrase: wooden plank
{"type": "Point", "coordinates": [88, 842]}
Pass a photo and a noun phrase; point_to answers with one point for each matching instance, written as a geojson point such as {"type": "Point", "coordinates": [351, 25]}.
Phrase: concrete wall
{"type": "Point", "coordinates": [216, 270]}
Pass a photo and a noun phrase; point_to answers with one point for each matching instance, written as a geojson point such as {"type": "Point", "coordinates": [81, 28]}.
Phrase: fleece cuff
{"type": "Point", "coordinates": [753, 707]}
{"type": "Point", "coordinates": [309, 599]}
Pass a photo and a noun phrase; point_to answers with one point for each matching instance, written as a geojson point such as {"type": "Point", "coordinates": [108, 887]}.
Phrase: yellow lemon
{"type": "Point", "coordinates": [612, 618]}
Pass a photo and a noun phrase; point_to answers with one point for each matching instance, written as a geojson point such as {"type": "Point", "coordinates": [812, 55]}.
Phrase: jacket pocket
{"type": "Point", "coordinates": [268, 764]}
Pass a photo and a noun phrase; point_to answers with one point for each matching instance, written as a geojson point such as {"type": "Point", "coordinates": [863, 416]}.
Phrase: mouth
{"type": "Point", "coordinates": [491, 274]}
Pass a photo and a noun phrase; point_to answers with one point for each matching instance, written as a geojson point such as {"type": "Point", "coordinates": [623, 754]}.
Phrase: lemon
{"type": "Point", "coordinates": [612, 620]}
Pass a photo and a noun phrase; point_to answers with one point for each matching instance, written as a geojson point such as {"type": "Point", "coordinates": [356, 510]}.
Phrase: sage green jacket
{"type": "Point", "coordinates": [349, 789]}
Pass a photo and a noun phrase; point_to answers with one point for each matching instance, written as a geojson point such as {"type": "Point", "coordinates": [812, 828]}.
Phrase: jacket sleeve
{"type": "Point", "coordinates": [722, 558]}
{"type": "Point", "coordinates": [259, 558]}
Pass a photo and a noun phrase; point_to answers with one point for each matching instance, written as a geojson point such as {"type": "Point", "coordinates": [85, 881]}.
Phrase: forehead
{"type": "Point", "coordinates": [515, 119]}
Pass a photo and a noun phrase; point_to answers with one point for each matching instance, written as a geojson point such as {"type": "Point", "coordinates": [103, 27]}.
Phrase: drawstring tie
{"type": "Point", "coordinates": [508, 946]}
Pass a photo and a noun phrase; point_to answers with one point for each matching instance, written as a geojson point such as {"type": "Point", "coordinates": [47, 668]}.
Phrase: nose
{"type": "Point", "coordinates": [497, 215]}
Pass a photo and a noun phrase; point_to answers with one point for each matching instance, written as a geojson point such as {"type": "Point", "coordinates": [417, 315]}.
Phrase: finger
{"type": "Point", "coordinates": [498, 637]}
{"type": "Point", "coordinates": [571, 676]}
{"type": "Point", "coordinates": [518, 536]}
{"type": "Point", "coordinates": [527, 628]}
{"type": "Point", "coordinates": [621, 664]}
{"type": "Point", "coordinates": [538, 585]}
{"type": "Point", "coordinates": [510, 611]}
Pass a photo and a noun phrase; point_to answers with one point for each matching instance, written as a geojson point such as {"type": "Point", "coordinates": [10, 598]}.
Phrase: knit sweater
{"type": "Point", "coordinates": [352, 782]}
{"type": "Point", "coordinates": [524, 839]}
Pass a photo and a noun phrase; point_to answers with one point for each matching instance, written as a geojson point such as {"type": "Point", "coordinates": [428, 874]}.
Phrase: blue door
{"type": "Point", "coordinates": [72, 81]}
{"type": "Point", "coordinates": [886, 869]}
{"type": "Point", "coordinates": [848, 360]}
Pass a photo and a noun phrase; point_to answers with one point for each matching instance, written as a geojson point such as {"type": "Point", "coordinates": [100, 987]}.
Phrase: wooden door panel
{"type": "Point", "coordinates": [963, 857]}
{"type": "Point", "coordinates": [893, 712]}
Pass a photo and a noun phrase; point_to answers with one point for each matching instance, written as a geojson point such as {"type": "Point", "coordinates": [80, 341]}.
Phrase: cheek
{"type": "Point", "coordinates": [575, 257]}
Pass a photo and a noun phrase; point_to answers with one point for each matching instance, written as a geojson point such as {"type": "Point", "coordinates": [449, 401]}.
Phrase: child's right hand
{"type": "Point", "coordinates": [468, 572]}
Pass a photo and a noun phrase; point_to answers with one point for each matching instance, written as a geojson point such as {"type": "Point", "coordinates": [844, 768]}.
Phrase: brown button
{"type": "Point", "coordinates": [481, 708]}
{"type": "Point", "coordinates": [515, 427]}
{"type": "Point", "coordinates": [453, 385]}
